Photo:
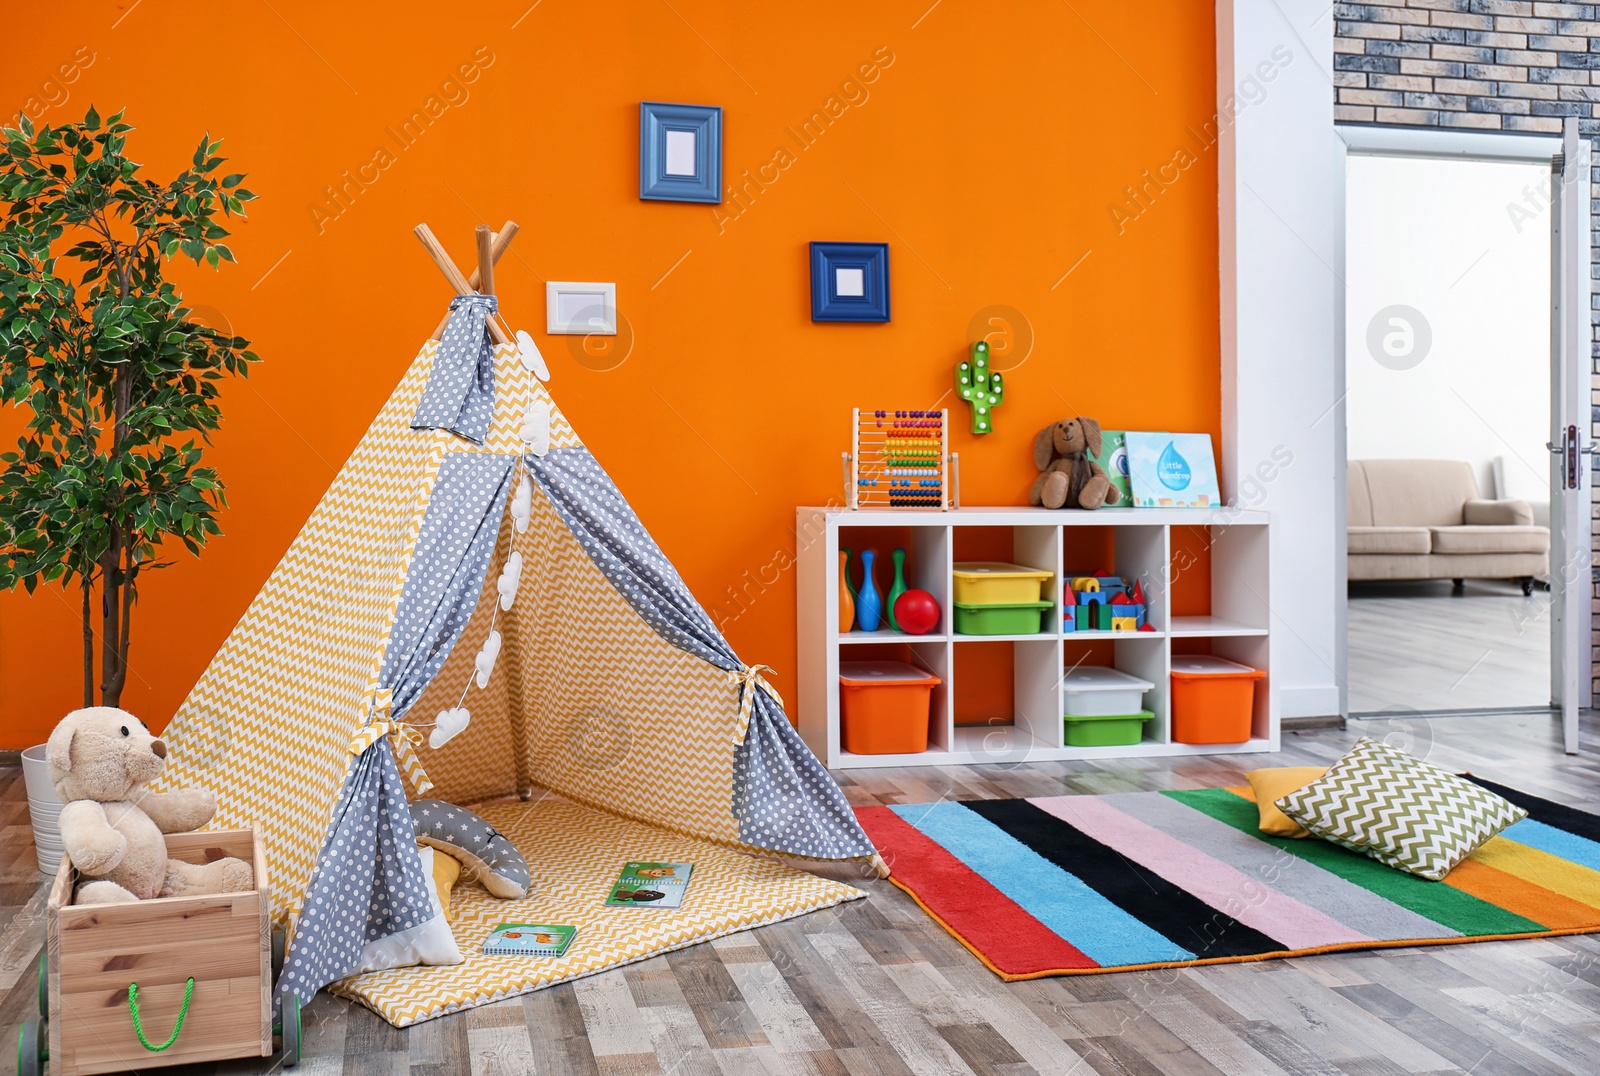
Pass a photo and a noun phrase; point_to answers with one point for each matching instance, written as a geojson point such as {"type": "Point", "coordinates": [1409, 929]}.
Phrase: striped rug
{"type": "Point", "coordinates": [1075, 885]}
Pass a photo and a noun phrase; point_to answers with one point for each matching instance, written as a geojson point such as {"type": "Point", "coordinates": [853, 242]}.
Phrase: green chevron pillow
{"type": "Point", "coordinates": [1400, 810]}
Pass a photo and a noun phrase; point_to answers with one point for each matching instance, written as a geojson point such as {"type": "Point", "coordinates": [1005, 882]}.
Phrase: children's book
{"type": "Point", "coordinates": [530, 939]}
{"type": "Point", "coordinates": [1113, 459]}
{"type": "Point", "coordinates": [650, 885]}
{"type": "Point", "coordinates": [1172, 470]}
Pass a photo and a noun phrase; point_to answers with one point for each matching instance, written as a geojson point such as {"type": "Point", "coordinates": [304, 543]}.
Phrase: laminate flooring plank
{"type": "Point", "coordinates": [560, 1038]}
{"type": "Point", "coordinates": [1464, 1046]}
{"type": "Point", "coordinates": [783, 1020]}
{"type": "Point", "coordinates": [679, 1042]}
{"type": "Point", "coordinates": [1214, 1041]}
{"type": "Point", "coordinates": [610, 1017]}
{"type": "Point", "coordinates": [1417, 646]}
{"type": "Point", "coordinates": [910, 1033]}
{"type": "Point", "coordinates": [444, 1041]}
{"type": "Point", "coordinates": [984, 1049]}
{"type": "Point", "coordinates": [1328, 1024]}
{"type": "Point", "coordinates": [711, 994]}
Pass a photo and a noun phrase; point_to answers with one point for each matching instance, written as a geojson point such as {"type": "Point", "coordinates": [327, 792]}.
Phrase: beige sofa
{"type": "Point", "coordinates": [1423, 519]}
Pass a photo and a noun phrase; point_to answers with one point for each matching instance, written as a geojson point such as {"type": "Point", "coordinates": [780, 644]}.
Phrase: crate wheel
{"type": "Point", "coordinates": [44, 986]}
{"type": "Point", "coordinates": [291, 1032]}
{"type": "Point", "coordinates": [31, 1049]}
{"type": "Point", "coordinates": [279, 943]}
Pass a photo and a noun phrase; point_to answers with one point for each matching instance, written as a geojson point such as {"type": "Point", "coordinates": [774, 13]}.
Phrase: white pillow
{"type": "Point", "coordinates": [431, 942]}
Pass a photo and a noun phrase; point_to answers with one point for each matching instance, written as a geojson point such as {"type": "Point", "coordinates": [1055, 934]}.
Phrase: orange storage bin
{"type": "Point", "coordinates": [883, 707]}
{"type": "Point", "coordinates": [1213, 699]}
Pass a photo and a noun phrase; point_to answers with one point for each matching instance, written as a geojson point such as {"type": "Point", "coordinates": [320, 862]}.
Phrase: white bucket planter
{"type": "Point", "coordinates": [44, 807]}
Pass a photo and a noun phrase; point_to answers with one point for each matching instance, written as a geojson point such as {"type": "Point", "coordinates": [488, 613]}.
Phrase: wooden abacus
{"type": "Point", "coordinates": [901, 459]}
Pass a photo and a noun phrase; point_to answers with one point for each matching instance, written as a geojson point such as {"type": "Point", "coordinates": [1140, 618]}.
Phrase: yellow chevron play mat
{"type": "Point", "coordinates": [473, 605]}
{"type": "Point", "coordinates": [574, 854]}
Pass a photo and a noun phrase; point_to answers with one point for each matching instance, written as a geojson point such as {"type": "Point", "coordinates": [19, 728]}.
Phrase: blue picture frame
{"type": "Point", "coordinates": [680, 152]}
{"type": "Point", "coordinates": [849, 281]}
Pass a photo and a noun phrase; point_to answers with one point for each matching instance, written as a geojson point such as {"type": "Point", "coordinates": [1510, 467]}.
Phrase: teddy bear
{"type": "Point", "coordinates": [1067, 476]}
{"type": "Point", "coordinates": [100, 760]}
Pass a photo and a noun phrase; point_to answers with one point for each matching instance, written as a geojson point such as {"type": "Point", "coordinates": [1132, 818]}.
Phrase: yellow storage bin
{"type": "Point", "coordinates": [990, 582]}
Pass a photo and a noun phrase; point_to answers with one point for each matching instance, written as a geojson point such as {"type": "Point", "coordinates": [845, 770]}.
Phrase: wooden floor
{"type": "Point", "coordinates": [1418, 646]}
{"type": "Point", "coordinates": [877, 987]}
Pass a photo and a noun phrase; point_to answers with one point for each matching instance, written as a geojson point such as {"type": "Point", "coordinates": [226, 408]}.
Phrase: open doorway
{"type": "Point", "coordinates": [1448, 409]}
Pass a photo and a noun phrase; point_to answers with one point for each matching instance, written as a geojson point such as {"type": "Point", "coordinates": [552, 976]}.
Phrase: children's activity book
{"type": "Point", "coordinates": [650, 885]}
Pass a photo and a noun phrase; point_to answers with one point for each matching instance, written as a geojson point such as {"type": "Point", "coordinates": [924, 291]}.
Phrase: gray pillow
{"type": "Point", "coordinates": [487, 855]}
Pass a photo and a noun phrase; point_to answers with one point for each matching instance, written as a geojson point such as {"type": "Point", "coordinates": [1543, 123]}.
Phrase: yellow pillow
{"type": "Point", "coordinates": [1272, 785]}
{"type": "Point", "coordinates": [446, 869]}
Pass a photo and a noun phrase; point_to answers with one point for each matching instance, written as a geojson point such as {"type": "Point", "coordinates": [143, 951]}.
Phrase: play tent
{"type": "Point", "coordinates": [472, 554]}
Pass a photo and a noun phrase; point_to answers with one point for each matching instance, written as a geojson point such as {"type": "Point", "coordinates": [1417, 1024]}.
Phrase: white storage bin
{"type": "Point", "coordinates": [1096, 691]}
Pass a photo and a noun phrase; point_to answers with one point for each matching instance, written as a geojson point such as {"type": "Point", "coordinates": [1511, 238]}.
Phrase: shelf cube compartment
{"type": "Point", "coordinates": [926, 568]}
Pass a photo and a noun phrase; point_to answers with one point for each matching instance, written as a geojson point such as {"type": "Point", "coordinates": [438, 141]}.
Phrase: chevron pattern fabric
{"type": "Point", "coordinates": [586, 699]}
{"type": "Point", "coordinates": [574, 854]}
{"type": "Point", "coordinates": [1400, 810]}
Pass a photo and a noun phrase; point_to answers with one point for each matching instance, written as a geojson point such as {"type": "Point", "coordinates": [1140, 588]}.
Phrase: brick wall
{"type": "Point", "coordinates": [1487, 65]}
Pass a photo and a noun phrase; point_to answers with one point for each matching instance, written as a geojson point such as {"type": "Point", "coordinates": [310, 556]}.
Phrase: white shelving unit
{"type": "Point", "coordinates": [1239, 625]}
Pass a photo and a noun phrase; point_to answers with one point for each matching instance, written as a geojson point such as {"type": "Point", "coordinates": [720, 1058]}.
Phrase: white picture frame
{"type": "Point", "coordinates": [580, 308]}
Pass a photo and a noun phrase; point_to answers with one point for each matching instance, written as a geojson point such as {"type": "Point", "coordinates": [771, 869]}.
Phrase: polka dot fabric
{"type": "Point", "coordinates": [460, 393]}
{"type": "Point", "coordinates": [368, 883]}
{"type": "Point", "coordinates": [448, 565]}
{"type": "Point", "coordinates": [487, 854]}
{"type": "Point", "coordinates": [783, 797]}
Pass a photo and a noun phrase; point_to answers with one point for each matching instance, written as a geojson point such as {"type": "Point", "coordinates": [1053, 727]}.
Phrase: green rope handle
{"type": "Point", "coordinates": [183, 1010]}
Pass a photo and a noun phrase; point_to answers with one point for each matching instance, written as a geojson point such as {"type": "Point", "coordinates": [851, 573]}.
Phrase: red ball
{"type": "Point", "coordinates": [916, 612]}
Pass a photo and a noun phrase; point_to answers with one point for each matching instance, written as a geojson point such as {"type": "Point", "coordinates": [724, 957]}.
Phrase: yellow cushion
{"type": "Point", "coordinates": [1272, 785]}
{"type": "Point", "coordinates": [446, 869]}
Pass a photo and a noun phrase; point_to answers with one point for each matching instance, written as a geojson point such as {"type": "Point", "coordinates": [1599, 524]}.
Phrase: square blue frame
{"type": "Point", "coordinates": [872, 259]}
{"type": "Point", "coordinates": [705, 121]}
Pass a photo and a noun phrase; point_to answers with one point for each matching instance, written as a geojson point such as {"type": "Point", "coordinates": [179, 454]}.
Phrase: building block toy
{"type": "Point", "coordinates": [1102, 602]}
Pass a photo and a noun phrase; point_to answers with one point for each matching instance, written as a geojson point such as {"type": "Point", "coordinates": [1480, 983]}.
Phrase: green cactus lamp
{"type": "Point", "coordinates": [983, 390]}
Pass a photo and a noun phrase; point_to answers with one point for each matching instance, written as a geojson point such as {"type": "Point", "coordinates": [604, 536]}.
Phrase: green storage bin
{"type": "Point", "coordinates": [1012, 618]}
{"type": "Point", "coordinates": [1105, 730]}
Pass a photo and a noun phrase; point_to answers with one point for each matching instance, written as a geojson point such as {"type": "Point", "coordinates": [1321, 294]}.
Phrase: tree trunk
{"type": "Point", "coordinates": [86, 583]}
{"type": "Point", "coordinates": [116, 582]}
{"type": "Point", "coordinates": [110, 593]}
{"type": "Point", "coordinates": [123, 635]}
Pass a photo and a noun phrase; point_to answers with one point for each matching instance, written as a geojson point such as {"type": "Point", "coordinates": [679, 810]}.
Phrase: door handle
{"type": "Point", "coordinates": [1571, 447]}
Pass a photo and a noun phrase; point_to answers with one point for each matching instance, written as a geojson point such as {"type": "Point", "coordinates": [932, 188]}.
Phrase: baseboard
{"type": "Point", "coordinates": [10, 758]}
{"type": "Point", "coordinates": [1319, 701]}
{"type": "Point", "coordinates": [1305, 724]}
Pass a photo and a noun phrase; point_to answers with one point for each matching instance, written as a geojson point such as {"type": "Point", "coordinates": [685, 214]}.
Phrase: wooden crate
{"type": "Point", "coordinates": [223, 940]}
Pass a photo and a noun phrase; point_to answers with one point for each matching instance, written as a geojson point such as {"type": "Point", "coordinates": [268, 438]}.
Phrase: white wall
{"type": "Point", "coordinates": [1281, 195]}
{"type": "Point", "coordinates": [1465, 246]}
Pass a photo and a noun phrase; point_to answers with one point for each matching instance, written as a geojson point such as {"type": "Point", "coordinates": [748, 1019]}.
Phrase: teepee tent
{"type": "Point", "coordinates": [473, 562]}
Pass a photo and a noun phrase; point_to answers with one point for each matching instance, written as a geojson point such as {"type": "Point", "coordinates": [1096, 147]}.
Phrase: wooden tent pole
{"type": "Point", "coordinates": [457, 281]}
{"type": "Point", "coordinates": [502, 240]}
{"type": "Point", "coordinates": [485, 260]}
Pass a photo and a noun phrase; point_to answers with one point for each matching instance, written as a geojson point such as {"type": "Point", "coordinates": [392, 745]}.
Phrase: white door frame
{"type": "Point", "coordinates": [1572, 305]}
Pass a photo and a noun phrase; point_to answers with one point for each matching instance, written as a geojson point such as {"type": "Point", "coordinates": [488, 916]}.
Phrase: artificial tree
{"type": "Point", "coordinates": [116, 381]}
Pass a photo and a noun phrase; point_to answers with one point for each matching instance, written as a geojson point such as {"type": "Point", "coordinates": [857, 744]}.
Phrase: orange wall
{"type": "Point", "coordinates": [988, 154]}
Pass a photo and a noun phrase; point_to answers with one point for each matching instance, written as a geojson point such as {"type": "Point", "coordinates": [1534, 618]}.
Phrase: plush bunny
{"type": "Point", "coordinates": [100, 759]}
{"type": "Point", "coordinates": [1068, 478]}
